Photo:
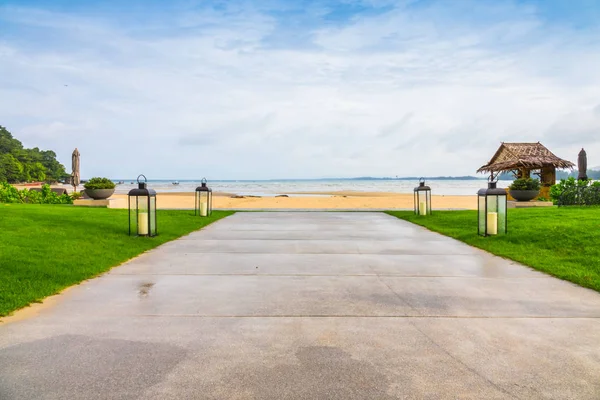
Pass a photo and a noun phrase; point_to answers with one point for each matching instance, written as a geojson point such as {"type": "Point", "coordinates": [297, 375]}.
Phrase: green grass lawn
{"type": "Point", "coordinates": [564, 242]}
{"type": "Point", "coordinates": [46, 248]}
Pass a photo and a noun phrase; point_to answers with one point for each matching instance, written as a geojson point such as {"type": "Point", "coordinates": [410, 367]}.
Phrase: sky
{"type": "Point", "coordinates": [269, 89]}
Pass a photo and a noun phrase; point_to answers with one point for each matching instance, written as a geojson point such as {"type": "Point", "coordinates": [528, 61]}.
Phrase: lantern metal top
{"type": "Point", "coordinates": [142, 189]}
{"type": "Point", "coordinates": [422, 186]}
{"type": "Point", "coordinates": [203, 187]}
{"type": "Point", "coordinates": [492, 190]}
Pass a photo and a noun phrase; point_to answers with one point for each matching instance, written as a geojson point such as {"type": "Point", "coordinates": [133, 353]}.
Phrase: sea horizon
{"type": "Point", "coordinates": [366, 178]}
{"type": "Point", "coordinates": [299, 187]}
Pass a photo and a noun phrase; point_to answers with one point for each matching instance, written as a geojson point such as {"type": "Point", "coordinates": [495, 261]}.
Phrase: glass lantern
{"type": "Point", "coordinates": [142, 209]}
{"type": "Point", "coordinates": [203, 203]}
{"type": "Point", "coordinates": [491, 210]}
{"type": "Point", "coordinates": [422, 202]}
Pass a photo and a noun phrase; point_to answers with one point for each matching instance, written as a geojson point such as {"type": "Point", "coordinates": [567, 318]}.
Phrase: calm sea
{"type": "Point", "coordinates": [274, 188]}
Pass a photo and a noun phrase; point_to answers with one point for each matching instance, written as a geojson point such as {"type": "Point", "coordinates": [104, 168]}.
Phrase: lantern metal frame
{"type": "Point", "coordinates": [420, 190]}
{"type": "Point", "coordinates": [202, 190]}
{"type": "Point", "coordinates": [143, 191]}
{"type": "Point", "coordinates": [484, 206]}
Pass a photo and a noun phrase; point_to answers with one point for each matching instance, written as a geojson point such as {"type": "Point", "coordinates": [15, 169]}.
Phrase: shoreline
{"type": "Point", "coordinates": [325, 200]}
{"type": "Point", "coordinates": [342, 193]}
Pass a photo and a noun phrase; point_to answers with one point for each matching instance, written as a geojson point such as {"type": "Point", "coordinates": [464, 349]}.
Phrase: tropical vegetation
{"type": "Point", "coordinates": [569, 184]}
{"type": "Point", "coordinates": [45, 195]}
{"type": "Point", "coordinates": [18, 164]}
{"type": "Point", "coordinates": [576, 192]}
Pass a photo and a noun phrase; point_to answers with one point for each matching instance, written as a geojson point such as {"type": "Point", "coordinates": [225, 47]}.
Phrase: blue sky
{"type": "Point", "coordinates": [299, 89]}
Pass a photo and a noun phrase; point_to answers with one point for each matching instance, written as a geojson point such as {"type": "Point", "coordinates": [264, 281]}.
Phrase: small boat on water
{"type": "Point", "coordinates": [176, 183]}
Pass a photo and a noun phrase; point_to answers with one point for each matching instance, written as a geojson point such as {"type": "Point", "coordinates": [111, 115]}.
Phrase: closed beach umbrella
{"type": "Point", "coordinates": [75, 176]}
{"type": "Point", "coordinates": [582, 165]}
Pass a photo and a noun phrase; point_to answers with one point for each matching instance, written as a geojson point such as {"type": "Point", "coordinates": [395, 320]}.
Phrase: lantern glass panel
{"type": "Point", "coordinates": [492, 204]}
{"type": "Point", "coordinates": [132, 214]}
{"type": "Point", "coordinates": [153, 216]}
{"type": "Point", "coordinates": [203, 204]}
{"type": "Point", "coordinates": [421, 202]}
{"type": "Point", "coordinates": [416, 202]}
{"type": "Point", "coordinates": [482, 216]}
{"type": "Point", "coordinates": [501, 214]}
{"type": "Point", "coordinates": [142, 215]}
{"type": "Point", "coordinates": [492, 215]}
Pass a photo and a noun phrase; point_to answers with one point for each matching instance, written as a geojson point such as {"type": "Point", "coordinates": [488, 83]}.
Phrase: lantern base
{"type": "Point", "coordinates": [108, 203]}
{"type": "Point", "coordinates": [529, 204]}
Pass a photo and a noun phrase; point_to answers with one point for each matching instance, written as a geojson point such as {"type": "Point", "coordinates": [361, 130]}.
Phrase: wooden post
{"type": "Point", "coordinates": [548, 176]}
{"type": "Point", "coordinates": [524, 173]}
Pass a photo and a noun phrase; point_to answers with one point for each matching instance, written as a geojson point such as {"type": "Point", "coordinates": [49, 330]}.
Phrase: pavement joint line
{"type": "Point", "coordinates": [295, 254]}
{"type": "Point", "coordinates": [382, 282]}
{"type": "Point", "coordinates": [351, 316]}
{"type": "Point", "coordinates": [341, 275]}
{"type": "Point", "coordinates": [304, 230]}
{"type": "Point", "coordinates": [304, 240]}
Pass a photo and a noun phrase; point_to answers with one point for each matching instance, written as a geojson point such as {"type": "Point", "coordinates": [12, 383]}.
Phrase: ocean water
{"type": "Point", "coordinates": [274, 187]}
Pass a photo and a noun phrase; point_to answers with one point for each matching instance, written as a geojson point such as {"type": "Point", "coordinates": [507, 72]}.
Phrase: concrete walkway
{"type": "Point", "coordinates": [310, 306]}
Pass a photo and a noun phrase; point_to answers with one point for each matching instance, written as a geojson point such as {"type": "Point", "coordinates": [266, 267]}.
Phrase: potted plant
{"type": "Point", "coordinates": [99, 188]}
{"type": "Point", "coordinates": [524, 189]}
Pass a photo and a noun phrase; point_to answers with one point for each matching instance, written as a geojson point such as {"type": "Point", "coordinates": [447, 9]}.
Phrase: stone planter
{"type": "Point", "coordinates": [99, 194]}
{"type": "Point", "coordinates": [524, 195]}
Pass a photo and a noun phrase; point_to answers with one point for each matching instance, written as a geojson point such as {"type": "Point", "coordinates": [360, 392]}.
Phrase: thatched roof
{"type": "Point", "coordinates": [512, 156]}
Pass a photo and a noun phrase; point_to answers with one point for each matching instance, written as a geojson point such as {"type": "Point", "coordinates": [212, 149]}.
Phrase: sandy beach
{"type": "Point", "coordinates": [314, 200]}
{"type": "Point", "coordinates": [300, 200]}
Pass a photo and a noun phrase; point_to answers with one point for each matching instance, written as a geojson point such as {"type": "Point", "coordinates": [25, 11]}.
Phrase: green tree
{"type": "Point", "coordinates": [55, 171]}
{"type": "Point", "coordinates": [35, 172]}
{"type": "Point", "coordinates": [35, 164]}
{"type": "Point", "coordinates": [10, 168]}
{"type": "Point", "coordinates": [8, 144]}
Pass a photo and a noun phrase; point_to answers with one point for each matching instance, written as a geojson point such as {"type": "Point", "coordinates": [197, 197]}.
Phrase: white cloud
{"type": "Point", "coordinates": [578, 128]}
{"type": "Point", "coordinates": [403, 91]}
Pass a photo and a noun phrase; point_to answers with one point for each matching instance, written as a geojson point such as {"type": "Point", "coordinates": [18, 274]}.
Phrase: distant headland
{"type": "Point", "coordinates": [412, 178]}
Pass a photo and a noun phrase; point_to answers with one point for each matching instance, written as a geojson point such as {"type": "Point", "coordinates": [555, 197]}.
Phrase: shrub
{"type": "Point", "coordinates": [9, 194]}
{"type": "Point", "coordinates": [99, 183]}
{"type": "Point", "coordinates": [574, 189]}
{"type": "Point", "coordinates": [569, 184]}
{"type": "Point", "coordinates": [76, 195]}
{"type": "Point", "coordinates": [525, 184]}
{"type": "Point", "coordinates": [46, 196]}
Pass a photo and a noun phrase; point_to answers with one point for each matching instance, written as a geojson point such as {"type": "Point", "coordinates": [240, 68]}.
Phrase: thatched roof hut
{"type": "Point", "coordinates": [525, 157]}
